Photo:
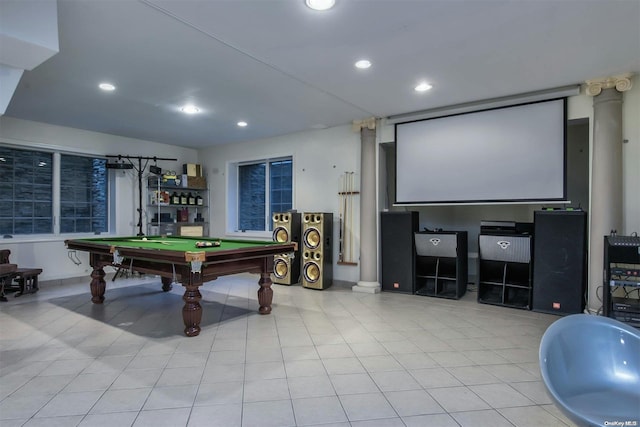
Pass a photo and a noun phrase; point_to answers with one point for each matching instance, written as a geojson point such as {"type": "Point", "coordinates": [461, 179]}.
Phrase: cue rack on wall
{"type": "Point", "coordinates": [346, 194]}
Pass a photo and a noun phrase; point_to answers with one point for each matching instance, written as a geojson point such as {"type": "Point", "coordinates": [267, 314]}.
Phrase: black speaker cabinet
{"type": "Point", "coordinates": [441, 264]}
{"type": "Point", "coordinates": [559, 261]}
{"type": "Point", "coordinates": [286, 229]}
{"type": "Point", "coordinates": [397, 251]}
{"type": "Point", "coordinates": [317, 253]}
{"type": "Point", "coordinates": [505, 270]}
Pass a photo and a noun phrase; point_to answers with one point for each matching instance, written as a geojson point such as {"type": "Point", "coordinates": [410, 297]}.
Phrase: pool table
{"type": "Point", "coordinates": [183, 260]}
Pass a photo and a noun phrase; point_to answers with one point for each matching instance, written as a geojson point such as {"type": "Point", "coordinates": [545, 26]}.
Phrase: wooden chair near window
{"type": "Point", "coordinates": [24, 280]}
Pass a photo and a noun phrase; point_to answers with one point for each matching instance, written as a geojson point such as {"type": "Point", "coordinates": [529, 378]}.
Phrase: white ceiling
{"type": "Point", "coordinates": [284, 68]}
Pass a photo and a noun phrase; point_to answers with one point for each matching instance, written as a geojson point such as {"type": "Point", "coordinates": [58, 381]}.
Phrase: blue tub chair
{"type": "Point", "coordinates": [590, 366]}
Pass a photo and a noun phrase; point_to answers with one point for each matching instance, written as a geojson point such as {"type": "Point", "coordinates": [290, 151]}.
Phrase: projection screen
{"type": "Point", "coordinates": [508, 154]}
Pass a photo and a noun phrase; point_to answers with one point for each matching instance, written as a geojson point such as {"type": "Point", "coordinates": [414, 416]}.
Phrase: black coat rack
{"type": "Point", "coordinates": [139, 168]}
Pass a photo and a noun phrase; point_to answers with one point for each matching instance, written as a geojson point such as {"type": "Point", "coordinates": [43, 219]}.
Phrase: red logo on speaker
{"type": "Point", "coordinates": [556, 306]}
{"type": "Point", "coordinates": [396, 285]}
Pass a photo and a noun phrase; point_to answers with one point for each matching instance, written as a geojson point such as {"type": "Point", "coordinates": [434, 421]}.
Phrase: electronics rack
{"type": "Point", "coordinates": [621, 296]}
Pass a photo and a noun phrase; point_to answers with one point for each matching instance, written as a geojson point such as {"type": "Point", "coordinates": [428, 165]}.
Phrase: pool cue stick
{"type": "Point", "coordinates": [353, 185]}
{"type": "Point", "coordinates": [347, 217]}
{"type": "Point", "coordinates": [150, 241]}
{"type": "Point", "coordinates": [341, 194]}
{"type": "Point", "coordinates": [340, 220]}
{"type": "Point", "coordinates": [349, 236]}
{"type": "Point", "coordinates": [350, 220]}
{"type": "Point", "coordinates": [345, 213]}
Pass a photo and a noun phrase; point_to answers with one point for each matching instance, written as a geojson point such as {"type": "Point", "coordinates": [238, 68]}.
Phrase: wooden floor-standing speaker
{"type": "Point", "coordinates": [286, 229]}
{"type": "Point", "coordinates": [398, 251]}
{"type": "Point", "coordinates": [317, 258]}
{"type": "Point", "coordinates": [559, 261]}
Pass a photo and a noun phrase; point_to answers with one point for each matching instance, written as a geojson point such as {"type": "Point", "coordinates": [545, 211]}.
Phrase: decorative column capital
{"type": "Point", "coordinates": [621, 83]}
{"type": "Point", "coordinates": [369, 123]}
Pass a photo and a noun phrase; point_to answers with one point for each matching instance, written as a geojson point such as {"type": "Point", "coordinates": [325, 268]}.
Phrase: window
{"type": "Point", "coordinates": [264, 187]}
{"type": "Point", "coordinates": [32, 198]}
{"type": "Point", "coordinates": [25, 192]}
{"type": "Point", "coordinates": [251, 186]}
{"type": "Point", "coordinates": [83, 194]}
{"type": "Point", "coordinates": [280, 189]}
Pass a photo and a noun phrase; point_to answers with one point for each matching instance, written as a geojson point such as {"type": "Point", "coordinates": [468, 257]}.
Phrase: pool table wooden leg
{"type": "Point", "coordinates": [192, 311]}
{"type": "Point", "coordinates": [265, 293]}
{"type": "Point", "coordinates": [166, 284]}
{"type": "Point", "coordinates": [98, 285]}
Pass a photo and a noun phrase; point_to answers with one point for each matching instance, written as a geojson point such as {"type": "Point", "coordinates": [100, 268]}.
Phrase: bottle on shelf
{"type": "Point", "coordinates": [183, 215]}
{"type": "Point", "coordinates": [172, 204]}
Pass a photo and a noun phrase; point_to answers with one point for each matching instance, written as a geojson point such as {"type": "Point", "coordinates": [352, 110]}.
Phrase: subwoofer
{"type": "Point", "coordinates": [317, 252]}
{"type": "Point", "coordinates": [286, 229]}
{"type": "Point", "coordinates": [559, 261]}
{"type": "Point", "coordinates": [441, 263]}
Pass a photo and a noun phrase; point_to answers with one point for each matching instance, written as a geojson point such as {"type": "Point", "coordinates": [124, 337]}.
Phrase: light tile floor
{"type": "Point", "coordinates": [330, 358]}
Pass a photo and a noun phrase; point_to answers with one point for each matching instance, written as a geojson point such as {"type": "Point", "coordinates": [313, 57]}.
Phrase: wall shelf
{"type": "Point", "coordinates": [180, 217]}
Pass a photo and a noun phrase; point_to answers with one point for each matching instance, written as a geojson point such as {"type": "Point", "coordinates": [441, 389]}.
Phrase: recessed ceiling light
{"type": "Point", "coordinates": [363, 64]}
{"type": "Point", "coordinates": [242, 124]}
{"type": "Point", "coordinates": [190, 109]}
{"type": "Point", "coordinates": [423, 87]}
{"type": "Point", "coordinates": [320, 4]}
{"type": "Point", "coordinates": [107, 87]}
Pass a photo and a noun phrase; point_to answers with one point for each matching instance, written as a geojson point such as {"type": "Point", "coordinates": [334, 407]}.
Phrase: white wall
{"type": "Point", "coordinates": [49, 253]}
{"type": "Point", "coordinates": [631, 159]}
{"type": "Point", "coordinates": [320, 157]}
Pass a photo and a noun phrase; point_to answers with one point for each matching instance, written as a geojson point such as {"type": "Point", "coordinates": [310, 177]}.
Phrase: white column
{"type": "Point", "coordinates": [368, 211]}
{"type": "Point", "coordinates": [606, 174]}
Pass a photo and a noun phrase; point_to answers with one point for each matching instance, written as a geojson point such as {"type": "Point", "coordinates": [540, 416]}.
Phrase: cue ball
{"type": "Point", "coordinates": [144, 238]}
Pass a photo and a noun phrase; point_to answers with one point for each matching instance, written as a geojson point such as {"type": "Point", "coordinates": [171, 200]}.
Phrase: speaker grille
{"type": "Point", "coordinates": [505, 248]}
{"type": "Point", "coordinates": [281, 235]}
{"type": "Point", "coordinates": [438, 245]}
{"type": "Point", "coordinates": [312, 238]}
{"type": "Point", "coordinates": [311, 272]}
{"type": "Point", "coordinates": [280, 268]}
{"type": "Point", "coordinates": [559, 268]}
{"type": "Point", "coordinates": [398, 250]}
